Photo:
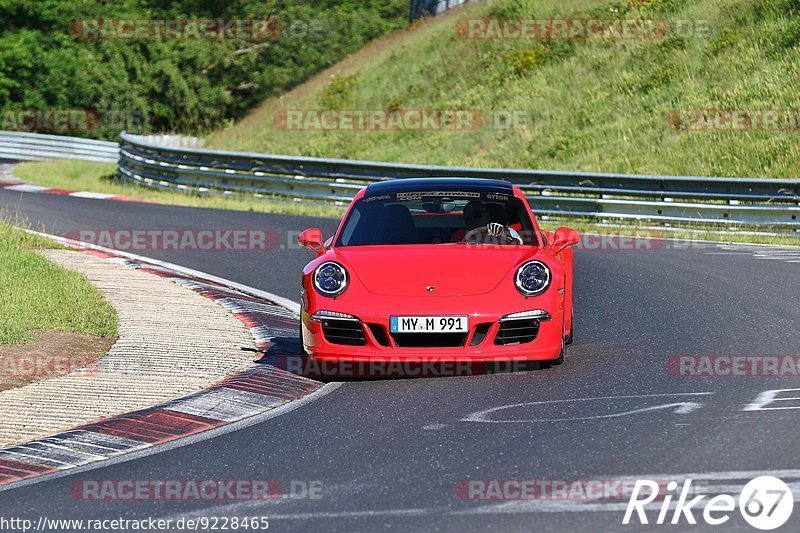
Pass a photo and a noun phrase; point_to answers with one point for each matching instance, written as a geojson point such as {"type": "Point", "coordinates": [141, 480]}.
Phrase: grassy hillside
{"type": "Point", "coordinates": [592, 105]}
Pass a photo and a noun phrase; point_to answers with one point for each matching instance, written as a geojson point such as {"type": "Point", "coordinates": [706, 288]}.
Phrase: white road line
{"type": "Point", "coordinates": [230, 510]}
{"type": "Point", "coordinates": [358, 514]}
{"type": "Point", "coordinates": [681, 408]}
{"type": "Point", "coordinates": [787, 254]}
{"type": "Point", "coordinates": [508, 507]}
{"type": "Point", "coordinates": [729, 253]}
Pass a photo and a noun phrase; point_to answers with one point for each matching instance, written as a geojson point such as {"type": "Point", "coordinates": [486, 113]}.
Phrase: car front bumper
{"type": "Point", "coordinates": [477, 345]}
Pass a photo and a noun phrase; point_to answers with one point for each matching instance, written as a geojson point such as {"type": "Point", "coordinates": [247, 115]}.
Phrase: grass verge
{"type": "Point", "coordinates": [38, 295]}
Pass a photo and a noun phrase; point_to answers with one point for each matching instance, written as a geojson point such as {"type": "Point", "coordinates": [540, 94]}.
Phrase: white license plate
{"type": "Point", "coordinates": [429, 324]}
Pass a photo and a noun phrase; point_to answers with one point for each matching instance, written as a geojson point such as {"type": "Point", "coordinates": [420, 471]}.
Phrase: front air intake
{"type": "Point", "coordinates": [338, 331]}
{"type": "Point", "coordinates": [517, 332]}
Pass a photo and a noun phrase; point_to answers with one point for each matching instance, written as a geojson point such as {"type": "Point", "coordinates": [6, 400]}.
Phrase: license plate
{"type": "Point", "coordinates": [429, 324]}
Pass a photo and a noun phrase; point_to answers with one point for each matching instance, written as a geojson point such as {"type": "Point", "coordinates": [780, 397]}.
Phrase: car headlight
{"type": "Point", "coordinates": [330, 279]}
{"type": "Point", "coordinates": [532, 278]}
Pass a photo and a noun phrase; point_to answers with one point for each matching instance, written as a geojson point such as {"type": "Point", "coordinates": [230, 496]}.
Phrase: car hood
{"type": "Point", "coordinates": [451, 269]}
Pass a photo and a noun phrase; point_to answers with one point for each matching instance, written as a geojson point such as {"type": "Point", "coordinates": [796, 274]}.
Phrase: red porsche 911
{"type": "Point", "coordinates": [438, 269]}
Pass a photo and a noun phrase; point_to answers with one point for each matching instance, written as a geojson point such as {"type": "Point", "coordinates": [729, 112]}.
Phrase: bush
{"type": "Point", "coordinates": [184, 86]}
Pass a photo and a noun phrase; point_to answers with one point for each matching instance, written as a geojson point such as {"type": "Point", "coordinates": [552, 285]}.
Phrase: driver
{"type": "Point", "coordinates": [477, 215]}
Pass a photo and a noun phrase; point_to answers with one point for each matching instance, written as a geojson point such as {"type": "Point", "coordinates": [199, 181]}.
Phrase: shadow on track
{"type": "Point", "coordinates": [286, 354]}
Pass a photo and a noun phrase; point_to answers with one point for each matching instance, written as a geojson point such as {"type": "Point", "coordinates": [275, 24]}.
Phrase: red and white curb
{"type": "Point", "coordinates": [253, 391]}
{"type": "Point", "coordinates": [30, 188]}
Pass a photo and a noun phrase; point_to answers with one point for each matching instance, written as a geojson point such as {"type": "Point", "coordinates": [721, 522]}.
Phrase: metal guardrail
{"type": "Point", "coordinates": [730, 202]}
{"type": "Point", "coordinates": [38, 147]}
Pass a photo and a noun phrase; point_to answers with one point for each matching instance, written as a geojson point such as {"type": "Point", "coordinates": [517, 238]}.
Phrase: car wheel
{"type": "Point", "coordinates": [560, 359]}
{"type": "Point", "coordinates": [569, 338]}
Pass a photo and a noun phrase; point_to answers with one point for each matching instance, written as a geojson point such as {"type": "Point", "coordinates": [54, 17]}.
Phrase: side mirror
{"type": "Point", "coordinates": [312, 239]}
{"type": "Point", "coordinates": [564, 237]}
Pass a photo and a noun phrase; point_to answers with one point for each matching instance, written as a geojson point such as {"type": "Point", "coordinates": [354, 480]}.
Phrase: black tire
{"type": "Point", "coordinates": [560, 359]}
{"type": "Point", "coordinates": [569, 338]}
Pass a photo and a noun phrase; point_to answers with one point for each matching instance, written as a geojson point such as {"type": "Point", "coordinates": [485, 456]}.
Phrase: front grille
{"type": "Point", "coordinates": [348, 332]}
{"type": "Point", "coordinates": [429, 340]}
{"type": "Point", "coordinates": [517, 332]}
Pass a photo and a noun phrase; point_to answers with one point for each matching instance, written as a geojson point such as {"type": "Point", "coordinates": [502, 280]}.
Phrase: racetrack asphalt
{"type": "Point", "coordinates": [390, 454]}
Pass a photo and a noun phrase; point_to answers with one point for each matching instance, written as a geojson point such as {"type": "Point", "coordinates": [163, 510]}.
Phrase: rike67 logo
{"type": "Point", "coordinates": [765, 503]}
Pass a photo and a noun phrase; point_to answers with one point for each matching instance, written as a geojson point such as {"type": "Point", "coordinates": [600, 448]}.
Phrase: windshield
{"type": "Point", "coordinates": [445, 217]}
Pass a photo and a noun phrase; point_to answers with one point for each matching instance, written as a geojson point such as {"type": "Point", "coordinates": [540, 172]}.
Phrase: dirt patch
{"type": "Point", "coordinates": [51, 354]}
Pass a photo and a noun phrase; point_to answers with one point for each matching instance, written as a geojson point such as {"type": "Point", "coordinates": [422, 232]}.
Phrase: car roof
{"type": "Point", "coordinates": [437, 184]}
